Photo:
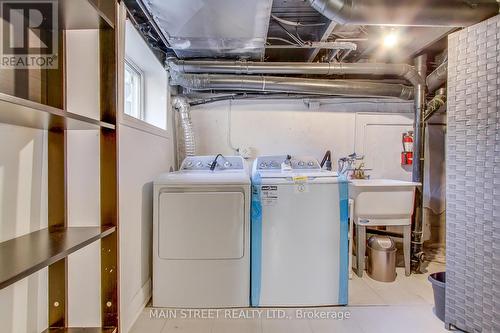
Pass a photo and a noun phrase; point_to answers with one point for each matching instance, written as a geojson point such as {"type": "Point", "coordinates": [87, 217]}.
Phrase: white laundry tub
{"type": "Point", "coordinates": [382, 201]}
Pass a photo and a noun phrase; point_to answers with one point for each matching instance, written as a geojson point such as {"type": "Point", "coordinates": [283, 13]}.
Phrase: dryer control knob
{"type": "Point", "coordinates": [302, 163]}
{"type": "Point", "coordinates": [310, 163]}
{"type": "Point", "coordinates": [199, 164]}
{"type": "Point", "coordinates": [263, 165]}
{"type": "Point", "coordinates": [227, 164]}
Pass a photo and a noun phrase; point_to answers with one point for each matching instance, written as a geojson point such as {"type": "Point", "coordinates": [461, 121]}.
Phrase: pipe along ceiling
{"type": "Point", "coordinates": [430, 13]}
{"type": "Point", "coordinates": [350, 88]}
{"type": "Point", "coordinates": [206, 78]}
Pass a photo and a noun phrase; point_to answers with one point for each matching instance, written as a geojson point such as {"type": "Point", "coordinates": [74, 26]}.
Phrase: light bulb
{"type": "Point", "coordinates": [390, 40]}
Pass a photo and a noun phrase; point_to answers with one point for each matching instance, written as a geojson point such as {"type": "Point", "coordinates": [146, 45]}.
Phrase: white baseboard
{"type": "Point", "coordinates": [132, 310]}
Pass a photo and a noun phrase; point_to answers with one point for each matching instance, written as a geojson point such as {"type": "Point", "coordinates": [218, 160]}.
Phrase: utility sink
{"type": "Point", "coordinates": [382, 201]}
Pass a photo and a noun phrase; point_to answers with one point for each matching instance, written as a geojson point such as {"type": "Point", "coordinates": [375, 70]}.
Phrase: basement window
{"type": "Point", "coordinates": [145, 86]}
{"type": "Point", "coordinates": [134, 91]}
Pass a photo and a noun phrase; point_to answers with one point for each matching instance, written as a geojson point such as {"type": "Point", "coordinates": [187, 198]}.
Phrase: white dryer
{"type": "Point", "coordinates": [201, 237]}
{"type": "Point", "coordinates": [299, 233]}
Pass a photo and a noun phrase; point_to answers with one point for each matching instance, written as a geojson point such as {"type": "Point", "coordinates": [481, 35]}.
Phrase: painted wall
{"type": "Point", "coordinates": [298, 128]}
{"type": "Point", "coordinates": [143, 156]}
{"type": "Point", "coordinates": [138, 168]}
{"type": "Point", "coordinates": [23, 209]}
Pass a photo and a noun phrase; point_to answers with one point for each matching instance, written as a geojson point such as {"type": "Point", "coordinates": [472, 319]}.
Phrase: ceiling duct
{"type": "Point", "coordinates": [213, 28]}
{"type": "Point", "coordinates": [438, 77]}
{"type": "Point", "coordinates": [431, 13]}
{"type": "Point", "coordinates": [348, 46]}
{"type": "Point", "coordinates": [249, 67]}
{"type": "Point", "coordinates": [291, 85]}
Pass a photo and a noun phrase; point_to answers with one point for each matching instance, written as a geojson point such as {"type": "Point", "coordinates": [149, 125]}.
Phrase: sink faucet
{"type": "Point", "coordinates": [359, 172]}
{"type": "Point", "coordinates": [348, 164]}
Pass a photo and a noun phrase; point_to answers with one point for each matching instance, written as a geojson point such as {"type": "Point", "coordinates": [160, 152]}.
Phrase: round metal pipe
{"type": "Point", "coordinates": [292, 85]}
{"type": "Point", "coordinates": [434, 13]}
{"type": "Point", "coordinates": [420, 64]}
{"type": "Point", "coordinates": [438, 77]}
{"type": "Point", "coordinates": [249, 67]}
{"type": "Point", "coordinates": [417, 166]}
{"type": "Point", "coordinates": [435, 104]}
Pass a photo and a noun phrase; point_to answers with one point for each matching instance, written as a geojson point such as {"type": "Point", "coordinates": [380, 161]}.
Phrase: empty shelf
{"type": "Point", "coordinates": [23, 256]}
{"type": "Point", "coordinates": [22, 112]}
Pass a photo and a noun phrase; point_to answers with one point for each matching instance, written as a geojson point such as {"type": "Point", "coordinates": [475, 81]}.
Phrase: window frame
{"type": "Point", "coordinates": [168, 129]}
{"type": "Point", "coordinates": [140, 74]}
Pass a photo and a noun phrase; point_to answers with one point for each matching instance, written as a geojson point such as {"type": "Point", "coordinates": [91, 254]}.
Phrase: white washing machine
{"type": "Point", "coordinates": [201, 237]}
{"type": "Point", "coordinates": [299, 233]}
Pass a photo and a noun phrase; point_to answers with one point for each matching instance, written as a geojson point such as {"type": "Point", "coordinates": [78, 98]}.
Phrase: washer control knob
{"type": "Point", "coordinates": [310, 163]}
{"type": "Point", "coordinates": [227, 164]}
{"type": "Point", "coordinates": [199, 164]}
{"type": "Point", "coordinates": [263, 165]}
{"type": "Point", "coordinates": [189, 164]}
{"type": "Point", "coordinates": [302, 163]}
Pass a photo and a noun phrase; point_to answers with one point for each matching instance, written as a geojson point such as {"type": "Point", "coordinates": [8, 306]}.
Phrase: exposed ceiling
{"type": "Point", "coordinates": [367, 38]}
{"type": "Point", "coordinates": [213, 28]}
{"type": "Point", "coordinates": [279, 30]}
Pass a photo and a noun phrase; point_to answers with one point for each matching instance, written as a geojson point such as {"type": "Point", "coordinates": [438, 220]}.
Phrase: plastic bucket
{"type": "Point", "coordinates": [438, 281]}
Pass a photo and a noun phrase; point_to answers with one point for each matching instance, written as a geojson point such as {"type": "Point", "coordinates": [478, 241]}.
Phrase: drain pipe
{"type": "Point", "coordinates": [434, 13]}
{"type": "Point", "coordinates": [187, 144]}
{"type": "Point", "coordinates": [291, 85]}
{"type": "Point", "coordinates": [417, 167]}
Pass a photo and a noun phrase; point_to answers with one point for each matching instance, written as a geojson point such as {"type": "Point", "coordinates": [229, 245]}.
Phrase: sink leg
{"type": "Point", "coordinates": [361, 249]}
{"type": "Point", "coordinates": [406, 248]}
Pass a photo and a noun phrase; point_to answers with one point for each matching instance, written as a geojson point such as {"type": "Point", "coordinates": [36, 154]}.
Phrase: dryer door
{"type": "Point", "coordinates": [201, 225]}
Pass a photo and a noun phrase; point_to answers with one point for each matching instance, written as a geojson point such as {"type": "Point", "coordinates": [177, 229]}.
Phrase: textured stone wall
{"type": "Point", "coordinates": [473, 179]}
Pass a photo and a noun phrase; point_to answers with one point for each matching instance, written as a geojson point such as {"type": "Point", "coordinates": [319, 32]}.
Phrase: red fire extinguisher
{"type": "Point", "coordinates": [407, 154]}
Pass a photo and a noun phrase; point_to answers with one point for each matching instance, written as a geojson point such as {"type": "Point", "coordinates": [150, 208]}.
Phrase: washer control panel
{"type": "Point", "coordinates": [295, 162]}
{"type": "Point", "coordinates": [205, 162]}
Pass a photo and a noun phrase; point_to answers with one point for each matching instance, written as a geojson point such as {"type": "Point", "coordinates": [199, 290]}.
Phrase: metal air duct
{"type": "Point", "coordinates": [433, 13]}
{"type": "Point", "coordinates": [291, 85]}
{"type": "Point", "coordinates": [249, 67]}
{"type": "Point", "coordinates": [438, 77]}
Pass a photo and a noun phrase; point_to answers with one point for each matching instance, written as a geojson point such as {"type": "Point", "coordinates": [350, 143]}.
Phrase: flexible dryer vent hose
{"type": "Point", "coordinates": [187, 143]}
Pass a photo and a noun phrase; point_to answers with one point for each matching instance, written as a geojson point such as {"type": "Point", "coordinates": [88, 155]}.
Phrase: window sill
{"type": "Point", "coordinates": [143, 126]}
